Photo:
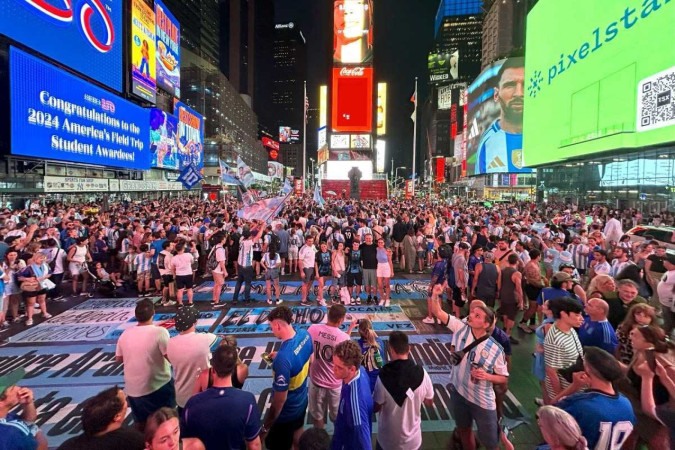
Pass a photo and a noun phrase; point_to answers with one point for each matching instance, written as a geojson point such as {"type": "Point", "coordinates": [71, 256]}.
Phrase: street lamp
{"type": "Point", "coordinates": [396, 171]}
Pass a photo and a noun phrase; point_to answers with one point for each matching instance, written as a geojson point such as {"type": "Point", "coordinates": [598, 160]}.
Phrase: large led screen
{"type": "Point", "coordinates": [190, 136]}
{"type": "Point", "coordinates": [495, 120]}
{"type": "Point", "coordinates": [85, 35]}
{"type": "Point", "coordinates": [352, 99]}
{"type": "Point", "coordinates": [168, 49]}
{"type": "Point", "coordinates": [443, 66]}
{"type": "Point", "coordinates": [56, 115]}
{"type": "Point", "coordinates": [143, 48]}
{"type": "Point", "coordinates": [638, 172]}
{"type": "Point", "coordinates": [352, 31]}
{"type": "Point", "coordinates": [598, 78]}
{"type": "Point", "coordinates": [163, 144]}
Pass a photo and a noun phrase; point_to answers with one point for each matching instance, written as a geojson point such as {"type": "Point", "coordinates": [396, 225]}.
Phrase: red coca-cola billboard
{"type": "Point", "coordinates": [352, 99]}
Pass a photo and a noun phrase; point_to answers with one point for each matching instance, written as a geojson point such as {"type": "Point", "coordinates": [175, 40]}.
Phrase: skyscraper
{"type": "Point", "coordinates": [503, 29]}
{"type": "Point", "coordinates": [199, 27]}
{"type": "Point", "coordinates": [458, 28]}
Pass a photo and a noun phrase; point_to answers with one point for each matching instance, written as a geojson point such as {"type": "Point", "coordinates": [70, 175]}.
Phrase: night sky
{"type": "Point", "coordinates": [403, 37]}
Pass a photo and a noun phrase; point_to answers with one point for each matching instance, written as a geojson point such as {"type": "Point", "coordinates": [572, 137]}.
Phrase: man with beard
{"type": "Point", "coordinates": [500, 148]}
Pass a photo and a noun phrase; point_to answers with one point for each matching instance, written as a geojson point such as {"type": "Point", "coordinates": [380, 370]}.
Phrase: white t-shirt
{"type": "Point", "coordinates": [400, 427]}
{"type": "Point", "coordinates": [182, 264]}
{"type": "Point", "coordinates": [665, 290]}
{"type": "Point", "coordinates": [145, 368]}
{"type": "Point", "coordinates": [307, 255]}
{"type": "Point", "coordinates": [189, 354]}
{"type": "Point", "coordinates": [220, 257]}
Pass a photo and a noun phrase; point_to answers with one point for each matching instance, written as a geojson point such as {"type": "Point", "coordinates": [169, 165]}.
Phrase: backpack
{"type": "Point", "coordinates": [160, 261]}
{"type": "Point", "coordinates": [52, 263]}
{"type": "Point", "coordinates": [212, 261]}
{"type": "Point", "coordinates": [275, 242]}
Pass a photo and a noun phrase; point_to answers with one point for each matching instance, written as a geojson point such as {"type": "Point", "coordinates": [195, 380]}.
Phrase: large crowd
{"type": "Point", "coordinates": [599, 304]}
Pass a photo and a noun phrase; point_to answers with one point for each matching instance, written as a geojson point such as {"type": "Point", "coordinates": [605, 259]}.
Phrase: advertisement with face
{"type": "Point", "coordinates": [85, 35]}
{"type": "Point", "coordinates": [443, 66]}
{"type": "Point", "coordinates": [352, 31]}
{"type": "Point", "coordinates": [143, 63]}
{"type": "Point", "coordinates": [56, 115]}
{"type": "Point", "coordinates": [168, 49]}
{"type": "Point", "coordinates": [190, 136]}
{"type": "Point", "coordinates": [352, 105]}
{"type": "Point", "coordinates": [163, 145]}
{"type": "Point", "coordinates": [495, 127]}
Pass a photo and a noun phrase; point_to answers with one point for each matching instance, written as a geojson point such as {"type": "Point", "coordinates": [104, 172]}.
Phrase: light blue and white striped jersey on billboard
{"type": "Point", "coordinates": [500, 152]}
{"type": "Point", "coordinates": [488, 355]}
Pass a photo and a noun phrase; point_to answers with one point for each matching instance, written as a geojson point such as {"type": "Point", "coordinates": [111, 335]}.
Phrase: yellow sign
{"type": "Point", "coordinates": [143, 46]}
{"type": "Point", "coordinates": [381, 109]}
{"type": "Point", "coordinates": [323, 106]}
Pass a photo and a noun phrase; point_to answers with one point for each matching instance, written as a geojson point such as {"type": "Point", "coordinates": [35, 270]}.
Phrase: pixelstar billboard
{"type": "Point", "coordinates": [168, 49]}
{"type": "Point", "coordinates": [56, 115]}
{"type": "Point", "coordinates": [85, 35]}
{"type": "Point", "coordinates": [604, 83]}
{"type": "Point", "coordinates": [352, 99]}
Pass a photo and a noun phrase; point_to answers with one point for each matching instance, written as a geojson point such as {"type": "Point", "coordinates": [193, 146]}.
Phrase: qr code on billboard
{"type": "Point", "coordinates": [656, 101]}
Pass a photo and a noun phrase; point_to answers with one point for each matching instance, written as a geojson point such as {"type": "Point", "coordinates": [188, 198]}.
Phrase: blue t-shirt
{"type": "Point", "coordinates": [157, 245]}
{"type": "Point", "coordinates": [291, 369]}
{"type": "Point", "coordinates": [353, 425]}
{"type": "Point", "coordinates": [602, 418]}
{"type": "Point", "coordinates": [439, 271]}
{"type": "Point", "coordinates": [222, 418]}
{"type": "Point", "coordinates": [15, 434]}
{"type": "Point", "coordinates": [550, 293]}
{"type": "Point", "coordinates": [598, 334]}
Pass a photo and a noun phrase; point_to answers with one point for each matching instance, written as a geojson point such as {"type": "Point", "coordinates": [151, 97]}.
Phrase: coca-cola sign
{"type": "Point", "coordinates": [352, 71]}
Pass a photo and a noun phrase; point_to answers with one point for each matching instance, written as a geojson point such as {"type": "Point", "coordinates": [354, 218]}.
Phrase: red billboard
{"type": "Point", "coordinates": [352, 31]}
{"type": "Point", "coordinates": [352, 99]}
{"type": "Point", "coordinates": [440, 170]}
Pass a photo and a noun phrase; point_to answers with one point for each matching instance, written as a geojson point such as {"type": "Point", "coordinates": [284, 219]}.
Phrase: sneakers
{"type": "Point", "coordinates": [352, 302]}
{"type": "Point", "coordinates": [358, 300]}
{"type": "Point", "coordinates": [269, 302]}
{"type": "Point", "coordinates": [283, 272]}
{"type": "Point", "coordinates": [219, 304]}
{"type": "Point", "coordinates": [168, 303]}
{"type": "Point", "coordinates": [375, 301]}
{"type": "Point", "coordinates": [386, 303]}
{"type": "Point", "coordinates": [141, 295]}
{"type": "Point", "coordinates": [429, 320]}
{"type": "Point", "coordinates": [322, 302]}
{"type": "Point", "coordinates": [83, 294]}
{"type": "Point", "coordinates": [59, 299]}
{"type": "Point", "coordinates": [46, 315]}
{"type": "Point", "coordinates": [29, 322]}
{"type": "Point", "coordinates": [524, 328]}
{"type": "Point", "coordinates": [305, 303]}
{"type": "Point", "coordinates": [279, 301]}
{"type": "Point", "coordinates": [370, 299]}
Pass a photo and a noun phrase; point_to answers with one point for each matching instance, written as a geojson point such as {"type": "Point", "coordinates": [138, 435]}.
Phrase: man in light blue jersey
{"type": "Point", "coordinates": [501, 146]}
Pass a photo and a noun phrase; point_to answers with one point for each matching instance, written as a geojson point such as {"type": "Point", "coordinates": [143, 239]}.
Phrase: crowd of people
{"type": "Point", "coordinates": [600, 307]}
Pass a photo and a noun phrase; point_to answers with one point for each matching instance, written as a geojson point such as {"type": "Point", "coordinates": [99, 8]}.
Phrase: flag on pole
{"type": "Point", "coordinates": [306, 106]}
{"type": "Point", "coordinates": [227, 173]}
{"type": "Point", "coordinates": [287, 189]}
{"type": "Point", "coordinates": [317, 196]}
{"type": "Point", "coordinates": [413, 99]}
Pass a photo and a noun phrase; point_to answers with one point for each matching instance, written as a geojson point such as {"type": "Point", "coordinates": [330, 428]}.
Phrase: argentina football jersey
{"type": "Point", "coordinates": [499, 151]}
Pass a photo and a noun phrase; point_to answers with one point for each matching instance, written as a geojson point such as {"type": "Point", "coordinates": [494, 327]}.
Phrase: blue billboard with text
{"type": "Point", "coordinates": [55, 115]}
{"type": "Point", "coordinates": [85, 35]}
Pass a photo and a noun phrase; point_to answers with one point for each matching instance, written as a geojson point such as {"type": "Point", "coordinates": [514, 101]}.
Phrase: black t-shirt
{"type": "Point", "coordinates": [122, 438]}
{"type": "Point", "coordinates": [349, 234]}
{"type": "Point", "coordinates": [657, 263]}
{"type": "Point", "coordinates": [369, 256]}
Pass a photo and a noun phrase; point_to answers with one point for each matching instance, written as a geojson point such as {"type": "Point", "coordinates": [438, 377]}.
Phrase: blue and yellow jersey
{"type": "Point", "coordinates": [291, 369]}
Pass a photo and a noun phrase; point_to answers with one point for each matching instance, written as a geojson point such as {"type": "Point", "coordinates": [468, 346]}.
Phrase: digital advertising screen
{"type": "Point", "coordinates": [381, 117]}
{"type": "Point", "coordinates": [360, 141]}
{"type": "Point", "coordinates": [190, 136]}
{"type": "Point", "coordinates": [339, 170]}
{"type": "Point", "coordinates": [56, 115]}
{"type": "Point", "coordinates": [339, 141]}
{"type": "Point", "coordinates": [143, 46]}
{"type": "Point", "coordinates": [638, 172]}
{"type": "Point", "coordinates": [352, 31]}
{"type": "Point", "coordinates": [85, 35]}
{"type": "Point", "coordinates": [495, 120]}
{"type": "Point", "coordinates": [443, 66]}
{"type": "Point", "coordinates": [352, 99]}
{"type": "Point", "coordinates": [350, 155]}
{"type": "Point", "coordinates": [288, 135]}
{"type": "Point", "coordinates": [167, 30]}
{"type": "Point", "coordinates": [599, 85]}
{"type": "Point", "coordinates": [163, 144]}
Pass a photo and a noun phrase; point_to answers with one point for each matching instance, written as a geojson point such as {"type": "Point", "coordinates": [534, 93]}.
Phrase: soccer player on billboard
{"type": "Point", "coordinates": [501, 145]}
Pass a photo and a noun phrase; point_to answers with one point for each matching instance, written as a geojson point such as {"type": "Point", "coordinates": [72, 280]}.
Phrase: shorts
{"type": "Point", "coordinates": [309, 274]}
{"type": "Point", "coordinates": [510, 310]}
{"type": "Point", "coordinates": [272, 274]}
{"type": "Point", "coordinates": [283, 255]}
{"type": "Point", "coordinates": [143, 407]}
{"type": "Point", "coordinates": [141, 276]}
{"type": "Point", "coordinates": [457, 297]}
{"type": "Point", "coordinates": [77, 268]}
{"type": "Point", "coordinates": [154, 272]}
{"type": "Point", "coordinates": [257, 256]}
{"type": "Point", "coordinates": [33, 294]}
{"type": "Point", "coordinates": [281, 434]}
{"type": "Point", "coordinates": [531, 292]}
{"type": "Point", "coordinates": [322, 400]}
{"type": "Point", "coordinates": [465, 413]}
{"type": "Point", "coordinates": [383, 270]}
{"type": "Point", "coordinates": [184, 281]}
{"type": "Point", "coordinates": [354, 279]}
{"type": "Point", "coordinates": [370, 277]}
{"type": "Point", "coordinates": [292, 252]}
{"type": "Point", "coordinates": [167, 280]}
{"type": "Point", "coordinates": [430, 246]}
{"type": "Point", "coordinates": [421, 254]}
{"type": "Point", "coordinates": [397, 244]}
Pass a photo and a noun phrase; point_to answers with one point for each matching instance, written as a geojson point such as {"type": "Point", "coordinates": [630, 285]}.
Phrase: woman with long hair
{"type": "Point", "coordinates": [600, 285]}
{"type": "Point", "coordinates": [372, 349]}
{"type": "Point", "coordinates": [271, 262]}
{"type": "Point", "coordinates": [385, 269]}
{"type": "Point", "coordinates": [35, 276]}
{"type": "Point", "coordinates": [239, 375]}
{"type": "Point", "coordinates": [560, 430]}
{"type": "Point", "coordinates": [638, 315]}
{"type": "Point", "coordinates": [339, 267]}
{"type": "Point", "coordinates": [78, 257]}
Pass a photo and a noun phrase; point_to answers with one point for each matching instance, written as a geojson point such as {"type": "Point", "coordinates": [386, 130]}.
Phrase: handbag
{"type": "Point", "coordinates": [458, 356]}
{"type": "Point", "coordinates": [47, 284]}
{"type": "Point", "coordinates": [30, 285]}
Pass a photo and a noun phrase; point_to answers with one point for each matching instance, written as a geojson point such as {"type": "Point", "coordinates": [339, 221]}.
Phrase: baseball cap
{"type": "Point", "coordinates": [560, 277]}
{"type": "Point", "coordinates": [12, 378]}
{"type": "Point", "coordinates": [565, 257]}
{"type": "Point", "coordinates": [186, 317]}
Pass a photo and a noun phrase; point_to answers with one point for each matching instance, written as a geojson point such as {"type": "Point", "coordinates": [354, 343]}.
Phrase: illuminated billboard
{"type": "Point", "coordinates": [360, 141]}
{"type": "Point", "coordinates": [495, 127]}
{"type": "Point", "coordinates": [443, 66]}
{"type": "Point", "coordinates": [288, 135]}
{"type": "Point", "coordinates": [352, 99]}
{"type": "Point", "coordinates": [168, 49]}
{"type": "Point", "coordinates": [190, 136]}
{"type": "Point", "coordinates": [323, 106]}
{"type": "Point", "coordinates": [83, 35]}
{"type": "Point", "coordinates": [381, 117]}
{"type": "Point", "coordinates": [638, 172]}
{"type": "Point", "coordinates": [352, 31]}
{"type": "Point", "coordinates": [381, 147]}
{"type": "Point", "coordinates": [601, 84]}
{"type": "Point", "coordinates": [143, 45]}
{"type": "Point", "coordinates": [163, 143]}
{"type": "Point", "coordinates": [339, 141]}
{"type": "Point", "coordinates": [339, 170]}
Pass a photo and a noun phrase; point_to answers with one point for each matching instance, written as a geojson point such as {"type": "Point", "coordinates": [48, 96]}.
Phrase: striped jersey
{"type": "Point", "coordinates": [561, 350]}
{"type": "Point", "coordinates": [142, 262]}
{"type": "Point", "coordinates": [579, 255]}
{"type": "Point", "coordinates": [488, 355]}
{"type": "Point", "coordinates": [500, 152]}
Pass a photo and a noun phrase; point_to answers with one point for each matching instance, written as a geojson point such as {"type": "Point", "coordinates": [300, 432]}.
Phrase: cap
{"type": "Point", "coordinates": [565, 257]}
{"type": "Point", "coordinates": [11, 378]}
{"type": "Point", "coordinates": [560, 277]}
{"type": "Point", "coordinates": [207, 220]}
{"type": "Point", "coordinates": [186, 317]}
